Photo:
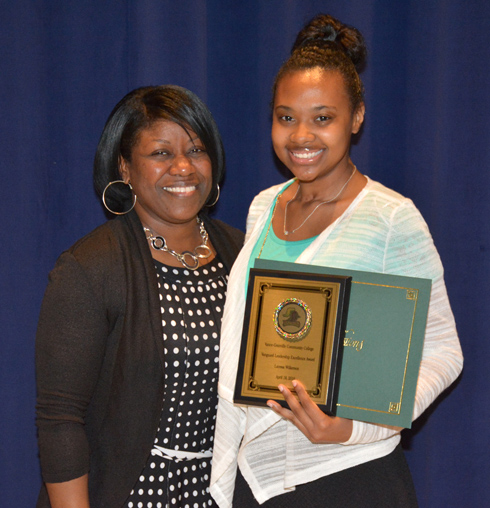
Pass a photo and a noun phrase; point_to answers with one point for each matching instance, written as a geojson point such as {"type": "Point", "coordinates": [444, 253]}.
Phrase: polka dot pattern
{"type": "Point", "coordinates": [191, 308]}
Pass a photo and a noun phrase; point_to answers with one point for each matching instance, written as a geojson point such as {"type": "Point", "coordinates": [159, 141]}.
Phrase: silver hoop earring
{"type": "Point", "coordinates": [217, 197]}
{"type": "Point", "coordinates": [105, 204]}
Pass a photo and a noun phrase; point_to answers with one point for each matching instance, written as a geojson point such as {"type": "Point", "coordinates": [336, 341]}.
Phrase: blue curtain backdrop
{"type": "Point", "coordinates": [63, 66]}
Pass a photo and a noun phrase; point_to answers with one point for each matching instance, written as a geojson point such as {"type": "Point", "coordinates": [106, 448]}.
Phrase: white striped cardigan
{"type": "Point", "coordinates": [381, 231]}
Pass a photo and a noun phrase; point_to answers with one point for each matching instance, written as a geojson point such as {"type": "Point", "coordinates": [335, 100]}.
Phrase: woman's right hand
{"type": "Point", "coordinates": [310, 419]}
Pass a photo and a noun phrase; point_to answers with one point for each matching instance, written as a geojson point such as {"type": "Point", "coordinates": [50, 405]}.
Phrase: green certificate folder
{"type": "Point", "coordinates": [383, 343]}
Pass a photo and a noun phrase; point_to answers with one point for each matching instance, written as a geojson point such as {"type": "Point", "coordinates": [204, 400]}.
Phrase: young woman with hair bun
{"type": "Point", "coordinates": [329, 214]}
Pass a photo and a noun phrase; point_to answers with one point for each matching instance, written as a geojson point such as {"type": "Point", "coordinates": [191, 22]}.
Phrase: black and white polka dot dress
{"type": "Point", "coordinates": [178, 470]}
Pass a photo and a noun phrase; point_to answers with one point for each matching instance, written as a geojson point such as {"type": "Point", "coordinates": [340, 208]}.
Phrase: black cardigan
{"type": "Point", "coordinates": [99, 358]}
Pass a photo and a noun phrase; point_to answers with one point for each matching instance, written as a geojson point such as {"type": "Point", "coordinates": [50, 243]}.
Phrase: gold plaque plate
{"type": "Point", "coordinates": [293, 329]}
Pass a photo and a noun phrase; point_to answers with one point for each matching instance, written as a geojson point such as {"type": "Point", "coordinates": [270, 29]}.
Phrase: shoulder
{"type": "Point", "coordinates": [384, 197]}
{"type": "Point", "coordinates": [226, 239]}
{"type": "Point", "coordinates": [390, 206]}
{"type": "Point", "coordinates": [409, 248]}
{"type": "Point", "coordinates": [99, 246]}
{"type": "Point", "coordinates": [96, 258]}
{"type": "Point", "coordinates": [262, 201]}
{"type": "Point", "coordinates": [265, 197]}
{"type": "Point", "coordinates": [96, 270]}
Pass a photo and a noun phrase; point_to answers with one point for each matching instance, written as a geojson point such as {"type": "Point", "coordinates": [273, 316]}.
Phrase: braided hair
{"type": "Point", "coordinates": [331, 45]}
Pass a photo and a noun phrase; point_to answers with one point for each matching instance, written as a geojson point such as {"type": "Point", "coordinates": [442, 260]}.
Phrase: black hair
{"type": "Point", "coordinates": [327, 43]}
{"type": "Point", "coordinates": [138, 110]}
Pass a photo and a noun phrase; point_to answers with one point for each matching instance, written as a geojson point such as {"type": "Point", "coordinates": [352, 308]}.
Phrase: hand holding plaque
{"type": "Point", "coordinates": [309, 419]}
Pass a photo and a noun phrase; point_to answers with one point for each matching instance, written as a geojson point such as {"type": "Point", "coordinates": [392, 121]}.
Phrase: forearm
{"type": "Point", "coordinates": [70, 494]}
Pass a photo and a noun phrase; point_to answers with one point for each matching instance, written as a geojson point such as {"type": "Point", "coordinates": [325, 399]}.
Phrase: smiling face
{"type": "Point", "coordinates": [170, 173]}
{"type": "Point", "coordinates": [313, 124]}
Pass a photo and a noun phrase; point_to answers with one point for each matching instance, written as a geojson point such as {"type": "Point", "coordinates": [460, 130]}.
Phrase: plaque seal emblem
{"type": "Point", "coordinates": [292, 319]}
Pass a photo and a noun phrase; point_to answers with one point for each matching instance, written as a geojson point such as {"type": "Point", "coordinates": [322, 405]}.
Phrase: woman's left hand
{"type": "Point", "coordinates": [310, 419]}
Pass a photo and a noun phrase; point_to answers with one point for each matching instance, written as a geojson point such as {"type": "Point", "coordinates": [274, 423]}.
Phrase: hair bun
{"type": "Point", "coordinates": [325, 29]}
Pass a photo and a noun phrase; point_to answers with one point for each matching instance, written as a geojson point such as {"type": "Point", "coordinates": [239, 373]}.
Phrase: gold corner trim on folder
{"type": "Point", "coordinates": [394, 408]}
{"type": "Point", "coordinates": [412, 294]}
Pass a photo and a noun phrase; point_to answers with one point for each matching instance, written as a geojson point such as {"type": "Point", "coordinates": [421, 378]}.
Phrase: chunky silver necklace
{"type": "Point", "coordinates": [286, 232]}
{"type": "Point", "coordinates": [190, 260]}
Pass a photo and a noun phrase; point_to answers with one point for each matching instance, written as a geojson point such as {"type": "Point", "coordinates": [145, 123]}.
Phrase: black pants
{"type": "Point", "coordinates": [380, 483]}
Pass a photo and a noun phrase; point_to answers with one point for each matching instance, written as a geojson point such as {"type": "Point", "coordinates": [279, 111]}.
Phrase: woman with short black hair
{"type": "Point", "coordinates": [128, 337]}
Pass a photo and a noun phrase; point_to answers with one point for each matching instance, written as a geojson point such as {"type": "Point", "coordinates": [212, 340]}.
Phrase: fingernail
{"type": "Point", "coordinates": [281, 388]}
{"type": "Point", "coordinates": [294, 383]}
{"type": "Point", "coordinates": [270, 404]}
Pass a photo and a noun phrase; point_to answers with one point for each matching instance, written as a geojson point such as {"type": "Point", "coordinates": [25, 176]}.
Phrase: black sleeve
{"type": "Point", "coordinates": [70, 346]}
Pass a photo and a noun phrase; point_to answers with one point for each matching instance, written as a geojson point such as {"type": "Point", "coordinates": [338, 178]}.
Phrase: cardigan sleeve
{"type": "Point", "coordinates": [410, 251]}
{"type": "Point", "coordinates": [70, 345]}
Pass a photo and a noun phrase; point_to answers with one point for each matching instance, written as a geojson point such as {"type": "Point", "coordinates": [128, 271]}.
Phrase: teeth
{"type": "Point", "coordinates": [307, 155]}
{"type": "Point", "coordinates": [180, 190]}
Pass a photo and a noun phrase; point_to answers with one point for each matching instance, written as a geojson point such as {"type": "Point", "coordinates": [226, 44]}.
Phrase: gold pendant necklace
{"type": "Point", "coordinates": [286, 232]}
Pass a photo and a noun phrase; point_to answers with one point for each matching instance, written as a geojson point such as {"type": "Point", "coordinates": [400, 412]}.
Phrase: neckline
{"type": "Point", "coordinates": [293, 242]}
{"type": "Point", "coordinates": [208, 270]}
{"type": "Point", "coordinates": [312, 249]}
{"type": "Point", "coordinates": [361, 194]}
